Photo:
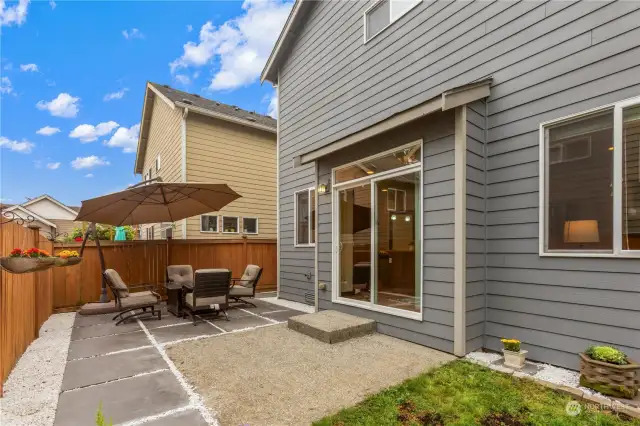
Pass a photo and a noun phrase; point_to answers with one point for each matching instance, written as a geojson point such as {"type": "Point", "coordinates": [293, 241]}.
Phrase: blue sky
{"type": "Point", "coordinates": [73, 76]}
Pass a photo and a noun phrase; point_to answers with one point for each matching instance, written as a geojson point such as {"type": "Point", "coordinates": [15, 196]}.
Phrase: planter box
{"type": "Point", "coordinates": [514, 359]}
{"type": "Point", "coordinates": [22, 265]}
{"type": "Point", "coordinates": [621, 381]}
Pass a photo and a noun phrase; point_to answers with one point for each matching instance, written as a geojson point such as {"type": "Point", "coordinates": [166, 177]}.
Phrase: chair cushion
{"type": "Point", "coordinates": [248, 279]}
{"type": "Point", "coordinates": [180, 273]}
{"type": "Point", "coordinates": [139, 300]}
{"type": "Point", "coordinates": [240, 291]}
{"type": "Point", "coordinates": [204, 301]}
{"type": "Point", "coordinates": [201, 271]}
{"type": "Point", "coordinates": [116, 282]}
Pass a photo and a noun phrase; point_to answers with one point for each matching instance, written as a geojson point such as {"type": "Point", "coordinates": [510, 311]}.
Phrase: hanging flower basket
{"type": "Point", "coordinates": [22, 265]}
{"type": "Point", "coordinates": [67, 258]}
{"type": "Point", "coordinates": [32, 260]}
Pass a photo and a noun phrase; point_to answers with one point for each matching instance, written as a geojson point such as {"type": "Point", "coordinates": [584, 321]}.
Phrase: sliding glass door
{"type": "Point", "coordinates": [377, 233]}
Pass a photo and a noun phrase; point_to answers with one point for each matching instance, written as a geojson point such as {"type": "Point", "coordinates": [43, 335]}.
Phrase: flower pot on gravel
{"type": "Point", "coordinates": [514, 359]}
{"type": "Point", "coordinates": [22, 265]}
{"type": "Point", "coordinates": [621, 381]}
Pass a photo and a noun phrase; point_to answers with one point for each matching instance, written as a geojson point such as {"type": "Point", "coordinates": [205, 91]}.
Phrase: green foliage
{"type": "Point", "coordinates": [461, 394]}
{"type": "Point", "coordinates": [100, 420]}
{"type": "Point", "coordinates": [512, 345]}
{"type": "Point", "coordinates": [607, 354]}
{"type": "Point", "coordinates": [105, 232]}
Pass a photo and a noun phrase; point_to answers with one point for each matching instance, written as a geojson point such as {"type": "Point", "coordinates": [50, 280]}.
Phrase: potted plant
{"type": "Point", "coordinates": [67, 258]}
{"type": "Point", "coordinates": [609, 371]}
{"type": "Point", "coordinates": [21, 261]}
{"type": "Point", "coordinates": [514, 357]}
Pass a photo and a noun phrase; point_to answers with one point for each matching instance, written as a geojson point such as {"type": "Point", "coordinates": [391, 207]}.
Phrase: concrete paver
{"type": "Point", "coordinates": [87, 320]}
{"type": "Point", "coordinates": [243, 322]}
{"type": "Point", "coordinates": [168, 334]}
{"type": "Point", "coordinates": [92, 371]}
{"type": "Point", "coordinates": [122, 401]}
{"type": "Point", "coordinates": [104, 345]}
{"type": "Point", "coordinates": [100, 330]}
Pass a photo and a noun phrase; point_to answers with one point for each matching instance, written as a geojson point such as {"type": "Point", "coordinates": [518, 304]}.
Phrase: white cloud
{"type": "Point", "coordinates": [272, 109]}
{"type": "Point", "coordinates": [189, 28]}
{"type": "Point", "coordinates": [5, 85]}
{"type": "Point", "coordinates": [29, 67]}
{"type": "Point", "coordinates": [132, 33]}
{"type": "Point", "coordinates": [53, 166]}
{"type": "Point", "coordinates": [183, 79]}
{"type": "Point", "coordinates": [23, 147]}
{"type": "Point", "coordinates": [89, 175]}
{"type": "Point", "coordinates": [64, 105]}
{"type": "Point", "coordinates": [48, 131]}
{"type": "Point", "coordinates": [89, 133]}
{"type": "Point", "coordinates": [15, 14]}
{"type": "Point", "coordinates": [124, 138]}
{"type": "Point", "coordinates": [115, 95]}
{"type": "Point", "coordinates": [51, 83]}
{"type": "Point", "coordinates": [241, 45]}
{"type": "Point", "coordinates": [89, 162]}
{"type": "Point", "coordinates": [8, 67]}
{"type": "Point", "coordinates": [52, 4]}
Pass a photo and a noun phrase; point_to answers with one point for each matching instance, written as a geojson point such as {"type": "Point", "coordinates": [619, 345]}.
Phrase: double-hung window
{"type": "Point", "coordinates": [590, 182]}
{"type": "Point", "coordinates": [305, 218]}
{"type": "Point", "coordinates": [383, 13]}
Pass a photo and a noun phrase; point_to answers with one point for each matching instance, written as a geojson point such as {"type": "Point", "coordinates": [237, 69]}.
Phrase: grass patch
{"type": "Point", "coordinates": [462, 393]}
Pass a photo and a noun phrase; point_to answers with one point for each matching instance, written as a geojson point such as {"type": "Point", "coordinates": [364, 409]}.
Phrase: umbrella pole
{"type": "Point", "coordinates": [103, 290]}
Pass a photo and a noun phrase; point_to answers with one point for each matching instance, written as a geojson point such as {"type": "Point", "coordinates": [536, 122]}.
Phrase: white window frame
{"type": "Point", "coordinates": [335, 232]}
{"type": "Point", "coordinates": [543, 211]}
{"type": "Point", "coordinates": [295, 218]}
{"type": "Point", "coordinates": [158, 164]}
{"type": "Point", "coordinates": [237, 218]}
{"type": "Point", "coordinates": [217, 231]}
{"type": "Point", "coordinates": [257, 226]}
{"type": "Point", "coordinates": [391, 20]}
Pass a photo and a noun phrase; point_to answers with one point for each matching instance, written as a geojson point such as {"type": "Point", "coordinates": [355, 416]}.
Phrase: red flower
{"type": "Point", "coordinates": [16, 252]}
{"type": "Point", "coordinates": [78, 239]}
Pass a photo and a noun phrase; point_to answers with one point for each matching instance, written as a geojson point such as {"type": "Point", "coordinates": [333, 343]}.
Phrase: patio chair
{"type": "Point", "coordinates": [246, 285]}
{"type": "Point", "coordinates": [179, 273]}
{"type": "Point", "coordinates": [128, 303]}
{"type": "Point", "coordinates": [210, 292]}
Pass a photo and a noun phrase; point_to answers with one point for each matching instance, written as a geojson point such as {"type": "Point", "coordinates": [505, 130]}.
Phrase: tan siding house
{"type": "Point", "coordinates": [195, 139]}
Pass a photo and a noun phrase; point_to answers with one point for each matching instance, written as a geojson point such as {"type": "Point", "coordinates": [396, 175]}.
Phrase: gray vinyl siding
{"type": "Point", "coordinates": [476, 227]}
{"type": "Point", "coordinates": [547, 60]}
{"type": "Point", "coordinates": [436, 328]}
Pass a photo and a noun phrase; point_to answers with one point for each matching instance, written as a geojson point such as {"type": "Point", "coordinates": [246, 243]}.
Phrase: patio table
{"type": "Point", "coordinates": [175, 296]}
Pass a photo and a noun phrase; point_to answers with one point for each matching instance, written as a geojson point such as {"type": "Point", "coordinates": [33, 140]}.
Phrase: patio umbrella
{"type": "Point", "coordinates": [149, 202]}
{"type": "Point", "coordinates": [156, 202]}
{"type": "Point", "coordinates": [121, 234]}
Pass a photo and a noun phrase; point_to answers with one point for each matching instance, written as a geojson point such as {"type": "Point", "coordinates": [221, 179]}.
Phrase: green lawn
{"type": "Point", "coordinates": [462, 393]}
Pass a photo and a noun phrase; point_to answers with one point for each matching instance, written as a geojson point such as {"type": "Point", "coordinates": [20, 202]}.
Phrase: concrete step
{"type": "Point", "coordinates": [332, 326]}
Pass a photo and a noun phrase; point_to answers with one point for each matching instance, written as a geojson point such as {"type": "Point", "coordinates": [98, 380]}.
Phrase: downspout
{"type": "Point", "coordinates": [183, 134]}
{"type": "Point", "coordinates": [486, 195]}
{"type": "Point", "coordinates": [317, 245]}
{"type": "Point", "coordinates": [277, 87]}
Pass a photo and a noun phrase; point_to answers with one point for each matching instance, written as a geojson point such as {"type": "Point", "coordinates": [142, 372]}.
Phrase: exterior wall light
{"type": "Point", "coordinates": [323, 189]}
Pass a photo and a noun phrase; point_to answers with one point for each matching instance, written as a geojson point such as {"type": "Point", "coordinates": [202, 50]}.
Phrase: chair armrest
{"type": "Point", "coordinates": [149, 286]}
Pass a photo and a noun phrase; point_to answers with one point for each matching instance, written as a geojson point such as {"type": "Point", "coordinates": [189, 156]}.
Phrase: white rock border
{"type": "Point", "coordinates": [557, 378]}
{"type": "Point", "coordinates": [32, 389]}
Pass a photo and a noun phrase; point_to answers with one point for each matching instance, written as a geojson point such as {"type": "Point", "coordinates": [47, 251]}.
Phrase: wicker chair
{"type": "Point", "coordinates": [246, 285]}
{"type": "Point", "coordinates": [127, 302]}
{"type": "Point", "coordinates": [210, 292]}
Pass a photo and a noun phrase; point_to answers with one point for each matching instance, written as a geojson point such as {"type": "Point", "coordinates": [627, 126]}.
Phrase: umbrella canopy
{"type": "Point", "coordinates": [156, 202]}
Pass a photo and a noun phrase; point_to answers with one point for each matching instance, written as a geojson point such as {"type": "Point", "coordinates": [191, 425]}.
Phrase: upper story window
{"type": "Point", "coordinates": [157, 163]}
{"type": "Point", "coordinates": [590, 183]}
{"type": "Point", "coordinates": [250, 225]}
{"type": "Point", "coordinates": [383, 13]}
{"type": "Point", "coordinates": [305, 218]}
{"type": "Point", "coordinates": [208, 223]}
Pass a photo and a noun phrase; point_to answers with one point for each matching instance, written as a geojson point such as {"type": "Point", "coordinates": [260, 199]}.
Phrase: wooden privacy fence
{"type": "Point", "coordinates": [26, 300]}
{"type": "Point", "coordinates": [140, 262]}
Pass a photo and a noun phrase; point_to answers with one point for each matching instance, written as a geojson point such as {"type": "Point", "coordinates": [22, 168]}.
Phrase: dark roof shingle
{"type": "Point", "coordinates": [175, 95]}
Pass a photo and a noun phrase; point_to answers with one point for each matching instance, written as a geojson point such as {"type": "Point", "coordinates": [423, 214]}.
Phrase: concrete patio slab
{"type": "Point", "coordinates": [167, 319]}
{"type": "Point", "coordinates": [87, 320]}
{"type": "Point", "coordinates": [122, 401]}
{"type": "Point", "coordinates": [280, 315]}
{"type": "Point", "coordinates": [189, 417]}
{"type": "Point", "coordinates": [178, 332]}
{"type": "Point", "coordinates": [101, 330]}
{"type": "Point", "coordinates": [104, 345]}
{"type": "Point", "coordinates": [235, 313]}
{"type": "Point", "coordinates": [332, 326]}
{"type": "Point", "coordinates": [240, 323]}
{"type": "Point", "coordinates": [92, 371]}
{"type": "Point", "coordinates": [287, 378]}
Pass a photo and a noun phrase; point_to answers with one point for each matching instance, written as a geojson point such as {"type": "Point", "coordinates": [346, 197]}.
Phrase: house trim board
{"type": "Point", "coordinates": [225, 117]}
{"type": "Point", "coordinates": [277, 89]}
{"type": "Point", "coordinates": [50, 198]}
{"type": "Point", "coordinates": [460, 237]}
{"type": "Point", "coordinates": [34, 215]}
{"type": "Point", "coordinates": [183, 151]}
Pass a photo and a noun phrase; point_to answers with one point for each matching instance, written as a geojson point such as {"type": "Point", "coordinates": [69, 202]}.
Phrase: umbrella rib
{"type": "Point", "coordinates": [164, 198]}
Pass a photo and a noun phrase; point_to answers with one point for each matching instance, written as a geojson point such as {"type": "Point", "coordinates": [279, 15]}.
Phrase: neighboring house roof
{"type": "Point", "coordinates": [24, 208]}
{"type": "Point", "coordinates": [197, 104]}
{"type": "Point", "coordinates": [72, 210]}
{"type": "Point", "coordinates": [299, 10]}
{"type": "Point", "coordinates": [28, 212]}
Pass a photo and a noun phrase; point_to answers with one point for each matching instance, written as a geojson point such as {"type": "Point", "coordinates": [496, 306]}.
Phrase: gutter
{"type": "Point", "coordinates": [227, 117]}
{"type": "Point", "coordinates": [183, 151]}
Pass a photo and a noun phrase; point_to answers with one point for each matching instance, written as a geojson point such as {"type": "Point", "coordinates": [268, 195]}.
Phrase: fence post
{"type": "Point", "coordinates": [36, 244]}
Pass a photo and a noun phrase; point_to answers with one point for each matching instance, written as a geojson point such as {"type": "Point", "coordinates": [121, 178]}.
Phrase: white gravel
{"type": "Point", "coordinates": [546, 372]}
{"type": "Point", "coordinates": [31, 391]}
{"type": "Point", "coordinates": [289, 304]}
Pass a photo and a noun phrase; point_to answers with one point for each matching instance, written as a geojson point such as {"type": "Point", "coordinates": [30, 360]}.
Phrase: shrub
{"type": "Point", "coordinates": [100, 420]}
{"type": "Point", "coordinates": [512, 345]}
{"type": "Point", "coordinates": [607, 354]}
